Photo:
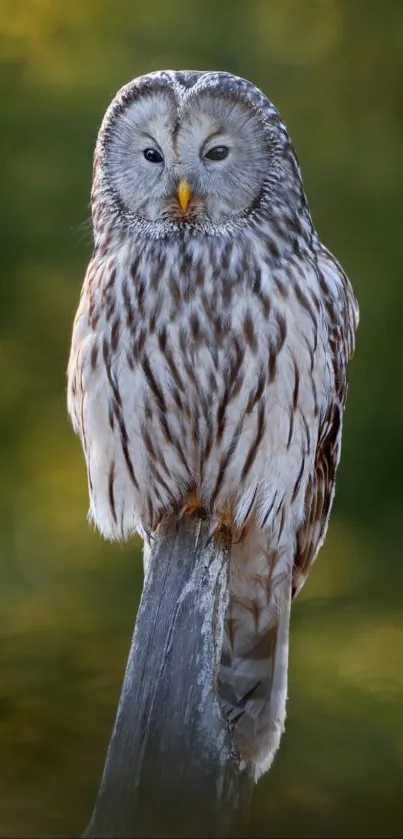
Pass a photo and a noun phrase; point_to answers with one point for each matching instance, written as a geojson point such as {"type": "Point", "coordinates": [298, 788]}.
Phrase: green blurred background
{"type": "Point", "coordinates": [334, 68]}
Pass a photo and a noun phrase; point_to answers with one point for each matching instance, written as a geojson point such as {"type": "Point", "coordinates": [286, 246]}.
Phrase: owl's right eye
{"type": "Point", "coordinates": [153, 156]}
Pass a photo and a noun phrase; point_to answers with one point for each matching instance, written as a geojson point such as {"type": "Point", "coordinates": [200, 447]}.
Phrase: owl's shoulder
{"type": "Point", "coordinates": [339, 298]}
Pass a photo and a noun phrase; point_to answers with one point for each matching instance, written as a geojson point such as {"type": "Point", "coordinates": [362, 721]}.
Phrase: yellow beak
{"type": "Point", "coordinates": [184, 194]}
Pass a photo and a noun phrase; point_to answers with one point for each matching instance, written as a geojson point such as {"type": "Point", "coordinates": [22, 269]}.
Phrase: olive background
{"type": "Point", "coordinates": [334, 69]}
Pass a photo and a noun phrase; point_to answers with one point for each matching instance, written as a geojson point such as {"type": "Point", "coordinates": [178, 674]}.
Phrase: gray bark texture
{"type": "Point", "coordinates": [171, 769]}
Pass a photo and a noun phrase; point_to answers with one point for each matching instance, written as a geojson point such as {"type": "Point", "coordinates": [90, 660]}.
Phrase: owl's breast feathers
{"type": "Point", "coordinates": [206, 367]}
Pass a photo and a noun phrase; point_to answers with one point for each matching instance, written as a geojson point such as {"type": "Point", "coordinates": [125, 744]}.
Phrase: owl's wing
{"type": "Point", "coordinates": [343, 315]}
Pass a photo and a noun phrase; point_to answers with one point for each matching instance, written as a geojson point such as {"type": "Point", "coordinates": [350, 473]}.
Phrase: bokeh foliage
{"type": "Point", "coordinates": [334, 68]}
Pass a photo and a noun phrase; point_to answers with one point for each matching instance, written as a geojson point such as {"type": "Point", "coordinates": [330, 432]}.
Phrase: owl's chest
{"type": "Point", "coordinates": [197, 354]}
{"type": "Point", "coordinates": [193, 343]}
{"type": "Point", "coordinates": [191, 349]}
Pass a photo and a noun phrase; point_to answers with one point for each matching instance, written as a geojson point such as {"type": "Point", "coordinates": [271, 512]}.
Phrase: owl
{"type": "Point", "coordinates": [208, 364]}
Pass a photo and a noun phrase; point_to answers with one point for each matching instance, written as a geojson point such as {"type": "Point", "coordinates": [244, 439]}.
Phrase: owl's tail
{"type": "Point", "coordinates": [254, 662]}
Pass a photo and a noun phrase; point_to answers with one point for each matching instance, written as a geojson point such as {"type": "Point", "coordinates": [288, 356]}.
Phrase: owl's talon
{"type": "Point", "coordinates": [191, 507]}
{"type": "Point", "coordinates": [222, 525]}
{"type": "Point", "coordinates": [241, 534]}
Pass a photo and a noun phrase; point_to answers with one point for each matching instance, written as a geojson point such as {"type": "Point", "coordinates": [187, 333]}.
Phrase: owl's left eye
{"type": "Point", "coordinates": [153, 156]}
{"type": "Point", "coordinates": [217, 153]}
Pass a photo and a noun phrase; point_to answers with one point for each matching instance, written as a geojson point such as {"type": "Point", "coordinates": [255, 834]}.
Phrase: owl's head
{"type": "Point", "coordinates": [194, 149]}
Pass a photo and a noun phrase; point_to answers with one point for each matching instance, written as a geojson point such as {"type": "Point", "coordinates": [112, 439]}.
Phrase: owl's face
{"type": "Point", "coordinates": [199, 150]}
{"type": "Point", "coordinates": [200, 156]}
{"type": "Point", "coordinates": [205, 160]}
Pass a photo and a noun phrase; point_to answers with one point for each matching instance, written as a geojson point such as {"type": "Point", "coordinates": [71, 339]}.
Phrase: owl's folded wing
{"type": "Point", "coordinates": [318, 498]}
{"type": "Point", "coordinates": [342, 311]}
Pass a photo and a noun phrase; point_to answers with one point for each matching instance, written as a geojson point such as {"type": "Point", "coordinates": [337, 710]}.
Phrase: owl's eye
{"type": "Point", "coordinates": [153, 156]}
{"type": "Point", "coordinates": [217, 153]}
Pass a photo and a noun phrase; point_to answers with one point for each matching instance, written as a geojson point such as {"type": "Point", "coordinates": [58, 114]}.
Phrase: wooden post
{"type": "Point", "coordinates": [171, 769]}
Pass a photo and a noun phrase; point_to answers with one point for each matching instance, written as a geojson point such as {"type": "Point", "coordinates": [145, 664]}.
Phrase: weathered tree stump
{"type": "Point", "coordinates": [171, 769]}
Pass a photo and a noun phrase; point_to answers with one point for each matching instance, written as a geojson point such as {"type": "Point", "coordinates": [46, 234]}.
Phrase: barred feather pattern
{"type": "Point", "coordinates": [213, 362]}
